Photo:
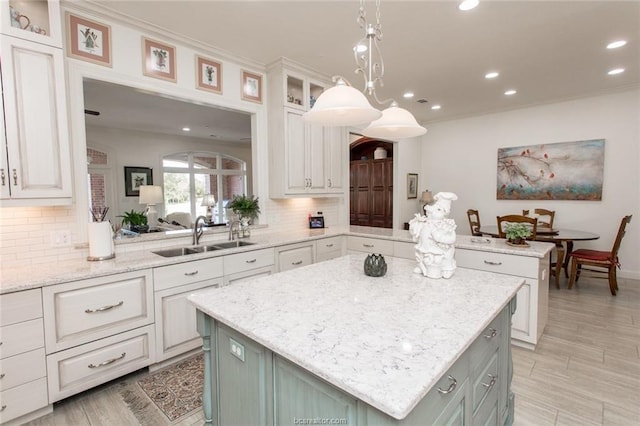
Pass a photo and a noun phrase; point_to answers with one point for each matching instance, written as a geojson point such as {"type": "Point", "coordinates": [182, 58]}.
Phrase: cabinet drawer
{"type": "Point", "coordinates": [484, 383]}
{"type": "Point", "coordinates": [20, 306]}
{"type": "Point", "coordinates": [80, 312]}
{"type": "Point", "coordinates": [295, 257]}
{"type": "Point", "coordinates": [487, 342]}
{"type": "Point", "coordinates": [185, 273]}
{"type": "Point", "coordinates": [370, 245]}
{"type": "Point", "coordinates": [404, 250]}
{"type": "Point", "coordinates": [329, 245]}
{"type": "Point", "coordinates": [501, 263]}
{"type": "Point", "coordinates": [22, 337]}
{"type": "Point", "coordinates": [240, 262]}
{"type": "Point", "coordinates": [321, 257]}
{"type": "Point", "coordinates": [23, 368]}
{"type": "Point", "coordinates": [23, 399]}
{"type": "Point", "coordinates": [86, 366]}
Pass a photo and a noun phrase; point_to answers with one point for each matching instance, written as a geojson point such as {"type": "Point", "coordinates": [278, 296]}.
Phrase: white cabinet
{"type": "Point", "coordinates": [330, 248]}
{"type": "Point", "coordinates": [295, 255]}
{"type": "Point", "coordinates": [370, 245]}
{"type": "Point", "coordinates": [175, 319]}
{"type": "Point", "coordinates": [34, 20]}
{"type": "Point", "coordinates": [531, 313]}
{"type": "Point", "coordinates": [23, 372]}
{"type": "Point", "coordinates": [37, 168]}
{"type": "Point", "coordinates": [307, 160]}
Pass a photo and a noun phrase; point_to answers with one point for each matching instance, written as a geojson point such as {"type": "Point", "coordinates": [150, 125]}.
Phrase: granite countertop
{"type": "Point", "coordinates": [137, 254]}
{"type": "Point", "coordinates": [384, 340]}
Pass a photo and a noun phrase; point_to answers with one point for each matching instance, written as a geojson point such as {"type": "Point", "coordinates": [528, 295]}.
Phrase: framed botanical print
{"type": "Point", "coordinates": [412, 185]}
{"type": "Point", "coordinates": [208, 75]}
{"type": "Point", "coordinates": [88, 40]}
{"type": "Point", "coordinates": [159, 60]}
{"type": "Point", "coordinates": [251, 87]}
{"type": "Point", "coordinates": [134, 178]}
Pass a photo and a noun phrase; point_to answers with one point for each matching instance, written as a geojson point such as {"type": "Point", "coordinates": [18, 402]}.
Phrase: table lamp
{"type": "Point", "coordinates": [151, 195]}
{"type": "Point", "coordinates": [209, 201]}
{"type": "Point", "coordinates": [425, 198]}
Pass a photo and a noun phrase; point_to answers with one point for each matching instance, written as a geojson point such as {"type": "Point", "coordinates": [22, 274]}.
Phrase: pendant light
{"type": "Point", "coordinates": [343, 105]}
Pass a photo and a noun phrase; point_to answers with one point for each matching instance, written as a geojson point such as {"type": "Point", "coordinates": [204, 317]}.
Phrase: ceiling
{"type": "Point", "coordinates": [547, 51]}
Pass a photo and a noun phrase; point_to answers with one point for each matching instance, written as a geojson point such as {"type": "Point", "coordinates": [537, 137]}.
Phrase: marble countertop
{"type": "Point", "coordinates": [384, 340]}
{"type": "Point", "coordinates": [136, 254]}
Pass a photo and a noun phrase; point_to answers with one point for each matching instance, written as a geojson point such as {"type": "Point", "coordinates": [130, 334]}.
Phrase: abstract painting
{"type": "Point", "coordinates": [557, 171]}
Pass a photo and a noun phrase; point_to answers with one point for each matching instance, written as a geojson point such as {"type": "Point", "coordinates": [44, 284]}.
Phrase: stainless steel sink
{"type": "Point", "coordinates": [232, 244]}
{"type": "Point", "coordinates": [185, 251]}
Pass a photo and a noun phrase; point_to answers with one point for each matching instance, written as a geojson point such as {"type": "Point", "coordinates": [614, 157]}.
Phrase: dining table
{"type": "Point", "coordinates": [557, 236]}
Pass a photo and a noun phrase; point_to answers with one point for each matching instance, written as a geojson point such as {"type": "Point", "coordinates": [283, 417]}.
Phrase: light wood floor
{"type": "Point", "coordinates": [585, 370]}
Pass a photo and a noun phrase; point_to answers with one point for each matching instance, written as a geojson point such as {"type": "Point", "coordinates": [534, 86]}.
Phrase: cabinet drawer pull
{"type": "Point", "coordinates": [190, 274]}
{"type": "Point", "coordinates": [251, 261]}
{"type": "Point", "coordinates": [2, 176]}
{"type": "Point", "coordinates": [368, 245]}
{"type": "Point", "coordinates": [2, 408]}
{"type": "Point", "coordinates": [104, 308]}
{"type": "Point", "coordinates": [492, 382]}
{"type": "Point", "coordinates": [328, 245]}
{"type": "Point", "coordinates": [488, 262]}
{"type": "Point", "coordinates": [2, 376]}
{"type": "Point", "coordinates": [107, 362]}
{"type": "Point", "coordinates": [15, 177]}
{"type": "Point", "coordinates": [451, 387]}
{"type": "Point", "coordinates": [492, 333]}
{"type": "Point", "coordinates": [299, 262]}
{"type": "Point", "coordinates": [329, 183]}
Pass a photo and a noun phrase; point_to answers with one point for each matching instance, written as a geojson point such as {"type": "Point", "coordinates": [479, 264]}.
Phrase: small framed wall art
{"type": "Point", "coordinates": [412, 185]}
{"type": "Point", "coordinates": [134, 178]}
{"type": "Point", "coordinates": [158, 60]}
{"type": "Point", "coordinates": [251, 87]}
{"type": "Point", "coordinates": [208, 75]}
{"type": "Point", "coordinates": [88, 40]}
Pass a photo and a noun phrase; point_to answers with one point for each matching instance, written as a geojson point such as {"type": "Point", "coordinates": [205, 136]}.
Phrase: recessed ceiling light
{"type": "Point", "coordinates": [436, 107]}
{"type": "Point", "coordinates": [510, 92]}
{"type": "Point", "coordinates": [186, 129]}
{"type": "Point", "coordinates": [616, 44]}
{"type": "Point", "coordinates": [468, 4]}
{"type": "Point", "coordinates": [408, 95]}
{"type": "Point", "coordinates": [616, 71]}
{"type": "Point", "coordinates": [492, 74]}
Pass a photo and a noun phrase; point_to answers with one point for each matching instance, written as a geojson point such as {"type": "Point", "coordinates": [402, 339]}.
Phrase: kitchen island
{"type": "Point", "coordinates": [325, 343]}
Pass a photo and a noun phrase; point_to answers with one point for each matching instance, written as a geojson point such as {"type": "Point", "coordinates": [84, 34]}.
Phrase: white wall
{"type": "Point", "coordinates": [406, 156]}
{"type": "Point", "coordinates": [461, 156]}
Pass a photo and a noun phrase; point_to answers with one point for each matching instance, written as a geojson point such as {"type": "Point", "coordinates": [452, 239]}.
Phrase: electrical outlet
{"type": "Point", "coordinates": [60, 238]}
{"type": "Point", "coordinates": [237, 349]}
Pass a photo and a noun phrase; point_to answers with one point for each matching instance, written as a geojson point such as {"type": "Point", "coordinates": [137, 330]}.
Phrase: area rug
{"type": "Point", "coordinates": [175, 390]}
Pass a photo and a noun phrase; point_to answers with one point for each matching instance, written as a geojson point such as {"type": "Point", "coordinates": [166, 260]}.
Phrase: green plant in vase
{"type": "Point", "coordinates": [137, 221]}
{"type": "Point", "coordinates": [517, 233]}
{"type": "Point", "coordinates": [246, 208]}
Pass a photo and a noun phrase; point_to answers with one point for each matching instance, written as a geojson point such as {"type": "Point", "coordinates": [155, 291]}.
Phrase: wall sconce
{"type": "Point", "coordinates": [151, 195]}
{"type": "Point", "coordinates": [209, 201]}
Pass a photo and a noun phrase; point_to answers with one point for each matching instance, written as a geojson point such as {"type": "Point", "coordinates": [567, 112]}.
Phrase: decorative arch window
{"type": "Point", "coordinates": [189, 176]}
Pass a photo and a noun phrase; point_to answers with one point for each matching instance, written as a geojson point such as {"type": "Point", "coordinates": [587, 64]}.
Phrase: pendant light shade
{"type": "Point", "coordinates": [341, 105]}
{"type": "Point", "coordinates": [395, 123]}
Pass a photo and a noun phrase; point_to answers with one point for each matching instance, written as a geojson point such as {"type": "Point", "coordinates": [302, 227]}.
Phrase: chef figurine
{"type": "Point", "coordinates": [435, 235]}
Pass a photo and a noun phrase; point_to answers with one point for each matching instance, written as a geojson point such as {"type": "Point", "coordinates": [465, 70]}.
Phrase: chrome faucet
{"type": "Point", "coordinates": [234, 223]}
{"type": "Point", "coordinates": [197, 231]}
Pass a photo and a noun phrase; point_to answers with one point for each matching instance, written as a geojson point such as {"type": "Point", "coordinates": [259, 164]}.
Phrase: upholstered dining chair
{"type": "Point", "coordinates": [474, 222]}
{"type": "Point", "coordinates": [516, 218]}
{"type": "Point", "coordinates": [544, 213]}
{"type": "Point", "coordinates": [606, 261]}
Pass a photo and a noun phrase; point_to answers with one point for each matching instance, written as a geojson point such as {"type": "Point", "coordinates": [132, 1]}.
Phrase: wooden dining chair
{"type": "Point", "coordinates": [548, 214]}
{"type": "Point", "coordinates": [516, 218]}
{"type": "Point", "coordinates": [605, 261]}
{"type": "Point", "coordinates": [474, 222]}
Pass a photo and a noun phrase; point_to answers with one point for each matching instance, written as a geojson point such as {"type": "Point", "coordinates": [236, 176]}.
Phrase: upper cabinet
{"type": "Point", "coordinates": [35, 140]}
{"type": "Point", "coordinates": [34, 20]}
{"type": "Point", "coordinates": [305, 160]}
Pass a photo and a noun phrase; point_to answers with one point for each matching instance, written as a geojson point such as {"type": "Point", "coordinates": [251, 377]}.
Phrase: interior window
{"type": "Point", "coordinates": [189, 176]}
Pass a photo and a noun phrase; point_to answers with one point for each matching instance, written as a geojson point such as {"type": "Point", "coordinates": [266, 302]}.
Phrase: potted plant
{"type": "Point", "coordinates": [246, 208]}
{"type": "Point", "coordinates": [517, 233]}
{"type": "Point", "coordinates": [137, 221]}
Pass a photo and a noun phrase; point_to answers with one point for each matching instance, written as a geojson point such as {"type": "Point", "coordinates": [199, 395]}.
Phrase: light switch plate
{"type": "Point", "coordinates": [236, 349]}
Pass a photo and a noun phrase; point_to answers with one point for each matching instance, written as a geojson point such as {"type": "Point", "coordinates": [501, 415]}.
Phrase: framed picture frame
{"type": "Point", "coordinates": [251, 87]}
{"type": "Point", "coordinates": [88, 40]}
{"type": "Point", "coordinates": [316, 222]}
{"type": "Point", "coordinates": [134, 177]}
{"type": "Point", "coordinates": [158, 60]}
{"type": "Point", "coordinates": [412, 185]}
{"type": "Point", "coordinates": [208, 75]}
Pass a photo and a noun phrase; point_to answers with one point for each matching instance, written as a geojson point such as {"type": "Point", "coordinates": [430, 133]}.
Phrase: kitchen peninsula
{"type": "Point", "coordinates": [325, 342]}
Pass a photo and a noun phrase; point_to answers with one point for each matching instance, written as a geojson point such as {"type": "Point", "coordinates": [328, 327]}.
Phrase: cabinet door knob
{"type": "Point", "coordinates": [492, 333]}
{"type": "Point", "coordinates": [15, 177]}
{"type": "Point", "coordinates": [2, 408]}
{"type": "Point", "coordinates": [329, 183]}
{"type": "Point", "coordinates": [451, 387]}
{"type": "Point", "coordinates": [2, 376]}
{"type": "Point", "coordinates": [2, 176]}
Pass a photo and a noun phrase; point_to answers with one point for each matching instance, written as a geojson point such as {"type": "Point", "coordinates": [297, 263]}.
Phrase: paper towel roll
{"type": "Point", "coordinates": [101, 246]}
